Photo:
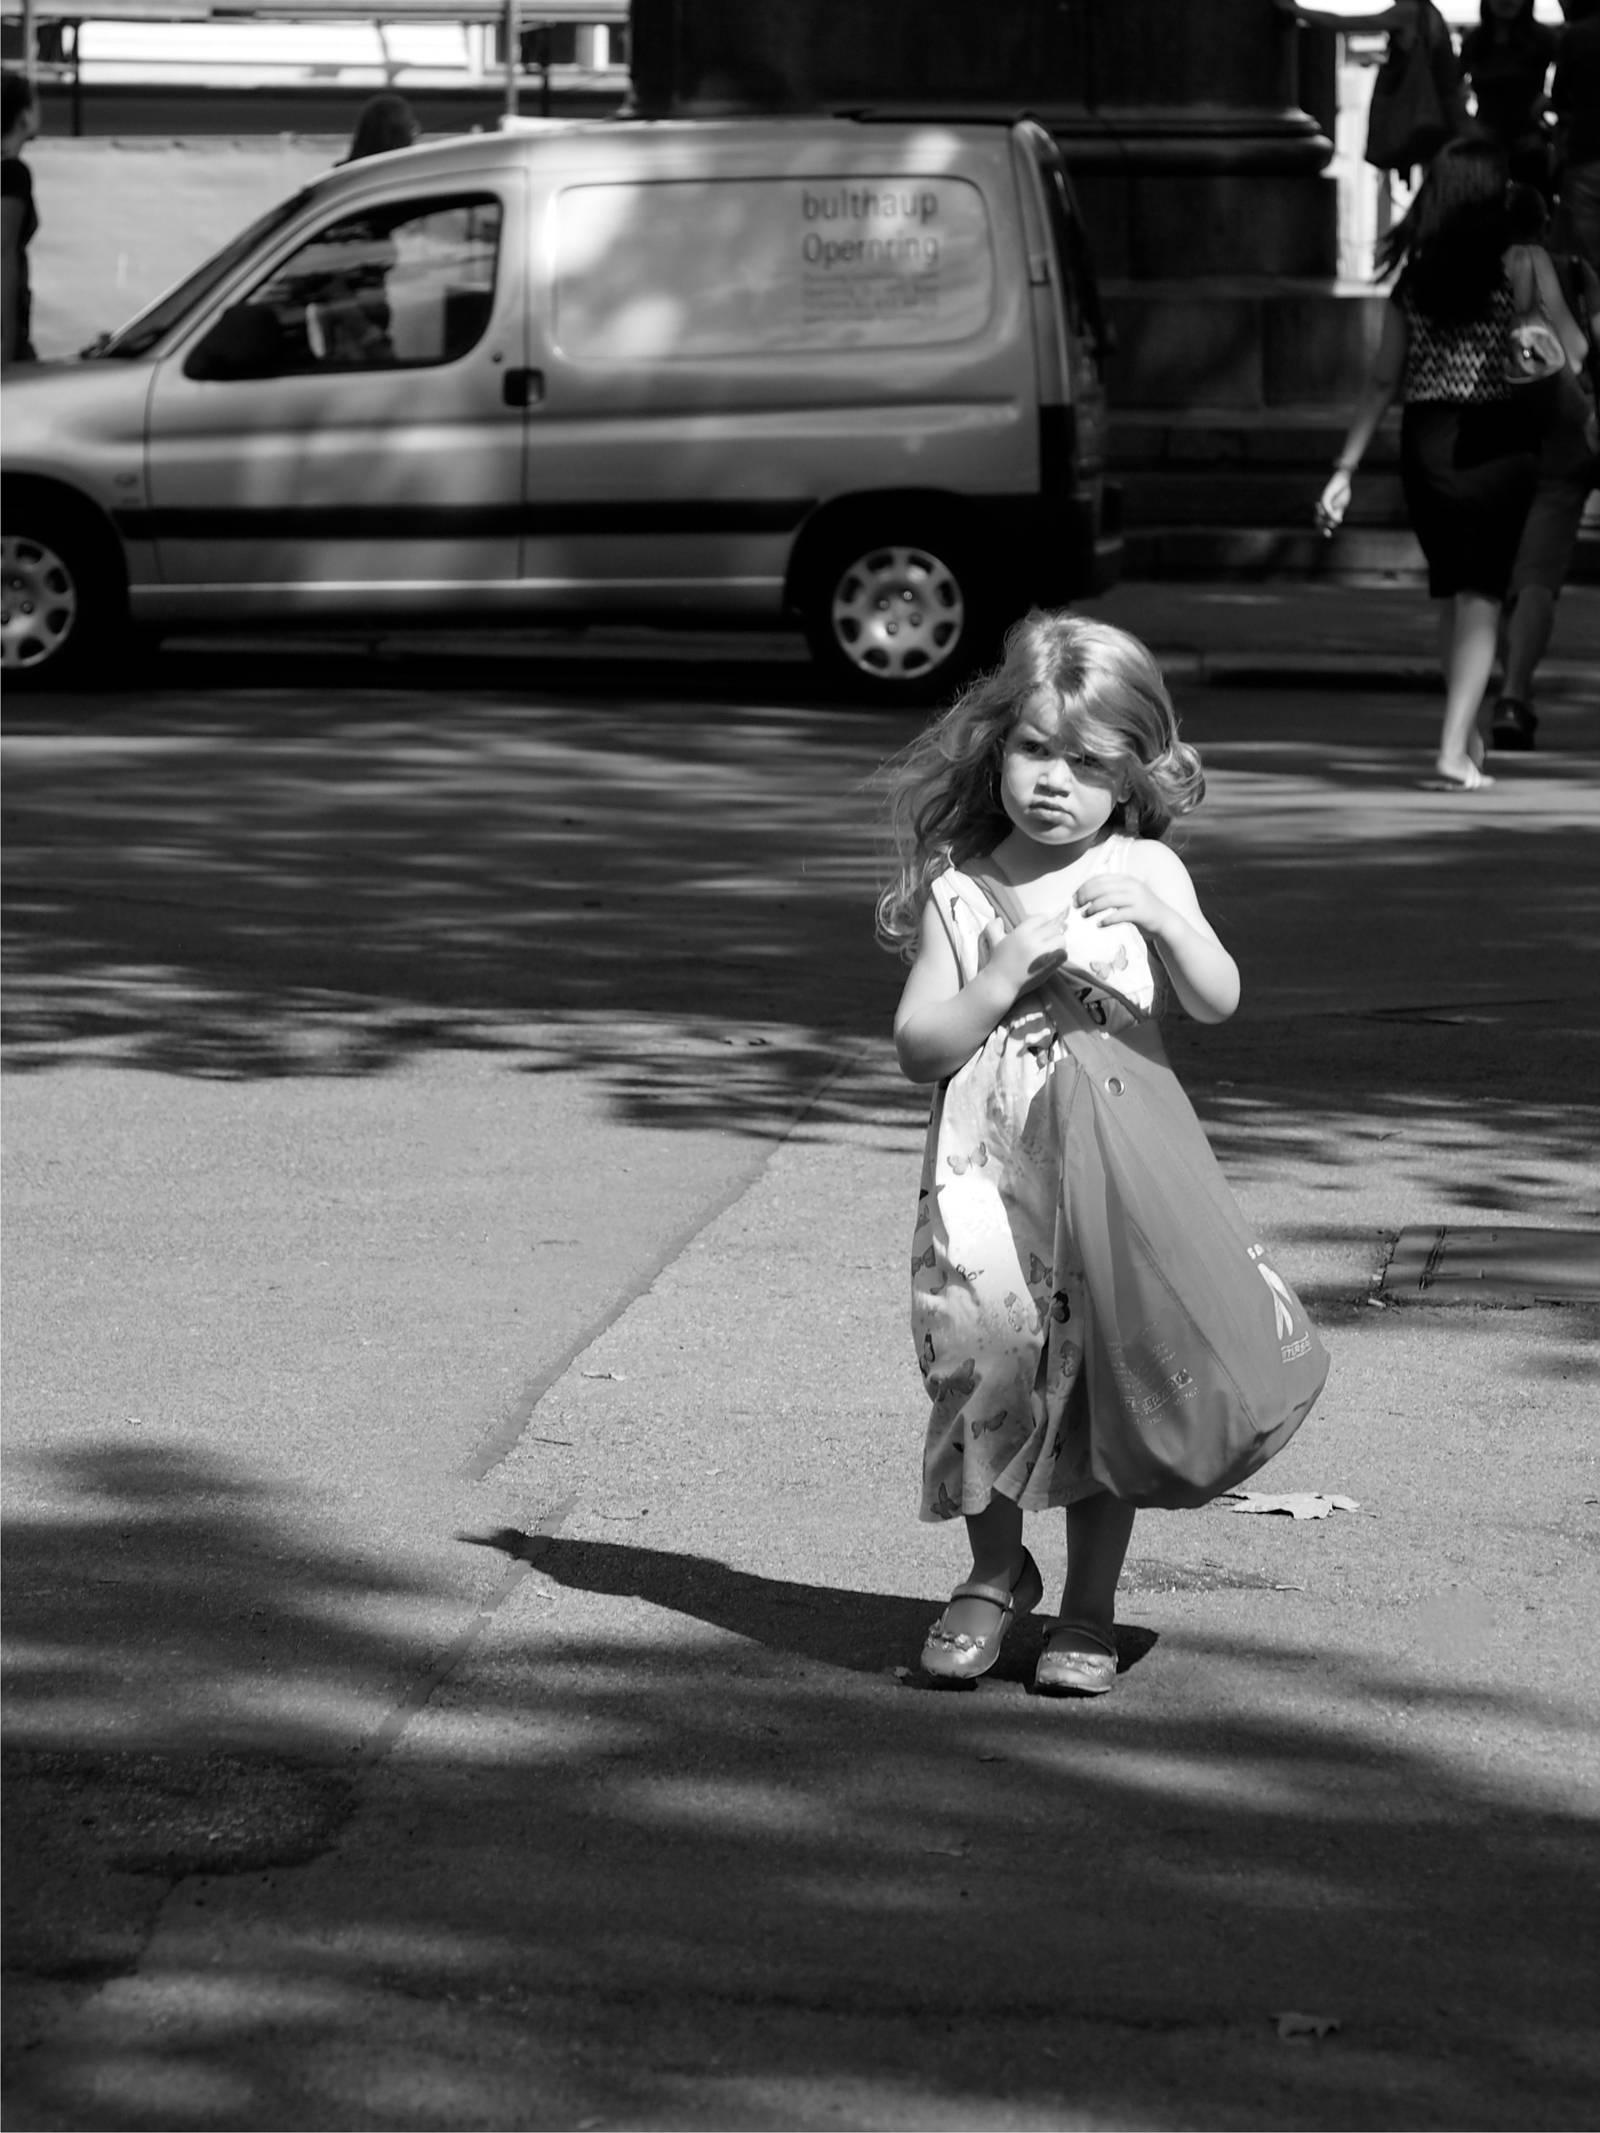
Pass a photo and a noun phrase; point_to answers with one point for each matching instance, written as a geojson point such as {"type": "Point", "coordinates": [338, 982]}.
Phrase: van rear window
{"type": "Point", "coordinates": [687, 268]}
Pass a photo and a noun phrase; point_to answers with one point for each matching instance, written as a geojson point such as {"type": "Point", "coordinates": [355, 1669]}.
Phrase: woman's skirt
{"type": "Point", "coordinates": [1469, 472]}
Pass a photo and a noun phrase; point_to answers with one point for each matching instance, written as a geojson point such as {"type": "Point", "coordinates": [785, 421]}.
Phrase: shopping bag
{"type": "Point", "coordinates": [1407, 123]}
{"type": "Point", "coordinates": [1200, 1362]}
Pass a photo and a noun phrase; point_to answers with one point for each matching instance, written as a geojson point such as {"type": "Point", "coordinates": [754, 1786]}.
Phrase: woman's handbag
{"type": "Point", "coordinates": [1533, 352]}
{"type": "Point", "coordinates": [1200, 1362]}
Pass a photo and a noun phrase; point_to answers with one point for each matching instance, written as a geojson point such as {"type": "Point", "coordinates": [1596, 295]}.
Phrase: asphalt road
{"type": "Point", "coordinates": [461, 1445]}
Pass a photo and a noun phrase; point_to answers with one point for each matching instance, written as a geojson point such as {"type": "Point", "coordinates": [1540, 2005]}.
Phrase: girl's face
{"type": "Point", "coordinates": [1053, 791]}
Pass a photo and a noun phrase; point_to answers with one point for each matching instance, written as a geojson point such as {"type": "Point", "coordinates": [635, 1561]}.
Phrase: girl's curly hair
{"type": "Point", "coordinates": [944, 789]}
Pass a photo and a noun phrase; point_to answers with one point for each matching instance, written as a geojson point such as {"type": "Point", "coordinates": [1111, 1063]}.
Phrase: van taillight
{"type": "Point", "coordinates": [1058, 450]}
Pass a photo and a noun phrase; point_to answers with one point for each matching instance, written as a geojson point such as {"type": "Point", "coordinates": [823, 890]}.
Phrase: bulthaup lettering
{"type": "Point", "coordinates": [856, 204]}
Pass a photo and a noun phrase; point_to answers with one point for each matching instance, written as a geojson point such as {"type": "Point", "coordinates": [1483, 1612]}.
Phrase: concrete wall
{"type": "Point", "coordinates": [122, 220]}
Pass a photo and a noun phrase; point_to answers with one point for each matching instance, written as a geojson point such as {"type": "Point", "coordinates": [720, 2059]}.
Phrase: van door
{"type": "Point", "coordinates": [346, 436]}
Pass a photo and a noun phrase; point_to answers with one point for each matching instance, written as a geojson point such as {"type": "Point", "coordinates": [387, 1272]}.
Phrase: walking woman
{"type": "Point", "coordinates": [18, 218]}
{"type": "Point", "coordinates": [1469, 439]}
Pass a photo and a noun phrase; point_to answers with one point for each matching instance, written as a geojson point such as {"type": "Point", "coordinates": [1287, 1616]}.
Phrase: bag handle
{"type": "Point", "coordinates": [1055, 995]}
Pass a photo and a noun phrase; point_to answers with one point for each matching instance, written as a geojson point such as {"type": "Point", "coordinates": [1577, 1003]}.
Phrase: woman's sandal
{"type": "Point", "coordinates": [1474, 780]}
{"type": "Point", "coordinates": [1075, 1672]}
{"type": "Point", "coordinates": [952, 1655]}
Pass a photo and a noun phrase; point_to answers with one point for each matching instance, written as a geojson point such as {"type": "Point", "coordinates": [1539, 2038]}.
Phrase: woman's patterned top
{"type": "Point", "coordinates": [1458, 362]}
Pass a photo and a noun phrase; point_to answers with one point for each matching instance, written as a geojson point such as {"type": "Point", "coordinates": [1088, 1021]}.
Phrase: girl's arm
{"type": "Point", "coordinates": [1383, 382]}
{"type": "Point", "coordinates": [1161, 902]}
{"type": "Point", "coordinates": [940, 1022]}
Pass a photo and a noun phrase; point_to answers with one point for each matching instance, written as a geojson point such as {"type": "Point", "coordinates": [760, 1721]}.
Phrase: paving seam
{"type": "Point", "coordinates": [502, 1440]}
{"type": "Point", "coordinates": [392, 1728]}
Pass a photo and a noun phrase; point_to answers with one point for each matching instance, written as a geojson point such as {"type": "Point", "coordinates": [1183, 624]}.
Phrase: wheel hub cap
{"type": "Point", "coordinates": [38, 602]}
{"type": "Point", "coordinates": [898, 612]}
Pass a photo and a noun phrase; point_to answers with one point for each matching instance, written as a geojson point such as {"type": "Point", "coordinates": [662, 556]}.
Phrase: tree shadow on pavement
{"type": "Point", "coordinates": [667, 1849]}
{"type": "Point", "coordinates": [661, 874]}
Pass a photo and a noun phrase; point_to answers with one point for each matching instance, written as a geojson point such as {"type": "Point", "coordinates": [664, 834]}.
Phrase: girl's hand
{"type": "Point", "coordinates": [1123, 899]}
{"type": "Point", "coordinates": [1025, 957]}
{"type": "Point", "coordinates": [1333, 503]}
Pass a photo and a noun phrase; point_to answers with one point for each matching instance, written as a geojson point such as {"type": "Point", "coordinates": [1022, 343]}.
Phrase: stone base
{"type": "Point", "coordinates": [1246, 344]}
{"type": "Point", "coordinates": [1221, 493]}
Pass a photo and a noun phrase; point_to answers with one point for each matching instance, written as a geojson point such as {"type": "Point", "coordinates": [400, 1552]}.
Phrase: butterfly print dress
{"type": "Point", "coordinates": [996, 1292]}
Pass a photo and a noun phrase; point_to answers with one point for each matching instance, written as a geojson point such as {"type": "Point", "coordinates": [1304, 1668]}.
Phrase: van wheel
{"type": "Point", "coordinates": [61, 605]}
{"type": "Point", "coordinates": [895, 620]}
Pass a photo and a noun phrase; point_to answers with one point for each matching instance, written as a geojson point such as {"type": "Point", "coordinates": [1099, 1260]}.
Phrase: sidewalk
{"type": "Point", "coordinates": [1286, 632]}
{"type": "Point", "coordinates": [635, 1820]}
{"type": "Point", "coordinates": [1306, 634]}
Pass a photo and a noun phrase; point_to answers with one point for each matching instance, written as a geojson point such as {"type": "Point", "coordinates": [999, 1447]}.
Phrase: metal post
{"type": "Point", "coordinates": [30, 42]}
{"type": "Point", "coordinates": [512, 33]}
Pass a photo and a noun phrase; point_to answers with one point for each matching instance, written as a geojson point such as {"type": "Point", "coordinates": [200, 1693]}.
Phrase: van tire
{"type": "Point", "coordinates": [895, 614]}
{"type": "Point", "coordinates": [65, 604]}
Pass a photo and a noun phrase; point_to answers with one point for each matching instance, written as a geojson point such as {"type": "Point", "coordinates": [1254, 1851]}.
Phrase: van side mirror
{"type": "Point", "coordinates": [245, 342]}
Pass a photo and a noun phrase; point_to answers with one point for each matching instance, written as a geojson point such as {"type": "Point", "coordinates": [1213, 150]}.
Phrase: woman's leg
{"type": "Point", "coordinates": [1528, 629]}
{"type": "Point", "coordinates": [1098, 1531]}
{"type": "Point", "coordinates": [1470, 626]}
{"type": "Point", "coordinates": [995, 1534]}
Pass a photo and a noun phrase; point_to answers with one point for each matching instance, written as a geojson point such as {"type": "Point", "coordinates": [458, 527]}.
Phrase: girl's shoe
{"type": "Point", "coordinates": [952, 1655]}
{"type": "Point", "coordinates": [1072, 1671]}
{"type": "Point", "coordinates": [1515, 724]}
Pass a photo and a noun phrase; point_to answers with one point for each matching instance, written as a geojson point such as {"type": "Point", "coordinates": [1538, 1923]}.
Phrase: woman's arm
{"type": "Point", "coordinates": [1383, 382]}
{"type": "Point", "coordinates": [940, 1022]}
{"type": "Point", "coordinates": [1161, 902]}
{"type": "Point", "coordinates": [1553, 299]}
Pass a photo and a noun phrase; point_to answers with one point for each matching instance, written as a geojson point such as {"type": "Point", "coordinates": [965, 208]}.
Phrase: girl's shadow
{"type": "Point", "coordinates": [866, 1632]}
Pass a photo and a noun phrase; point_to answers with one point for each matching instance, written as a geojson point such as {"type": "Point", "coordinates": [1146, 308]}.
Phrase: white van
{"type": "Point", "coordinates": [842, 370]}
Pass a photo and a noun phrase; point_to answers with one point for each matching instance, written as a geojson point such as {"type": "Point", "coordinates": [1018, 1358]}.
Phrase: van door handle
{"type": "Point", "coordinates": [523, 388]}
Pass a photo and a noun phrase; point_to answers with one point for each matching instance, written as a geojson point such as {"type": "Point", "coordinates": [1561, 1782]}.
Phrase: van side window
{"type": "Point", "coordinates": [408, 285]}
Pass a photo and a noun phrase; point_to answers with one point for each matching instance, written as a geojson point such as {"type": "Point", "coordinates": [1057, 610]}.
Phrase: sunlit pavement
{"type": "Point", "coordinates": [462, 1438]}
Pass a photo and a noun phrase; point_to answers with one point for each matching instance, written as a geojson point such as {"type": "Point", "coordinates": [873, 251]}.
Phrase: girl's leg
{"type": "Point", "coordinates": [996, 1537]}
{"type": "Point", "coordinates": [1098, 1531]}
{"type": "Point", "coordinates": [1470, 626]}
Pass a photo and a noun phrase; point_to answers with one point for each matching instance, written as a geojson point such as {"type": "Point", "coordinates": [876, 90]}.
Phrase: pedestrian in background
{"type": "Point", "coordinates": [385, 123]}
{"type": "Point", "coordinates": [1059, 772]}
{"type": "Point", "coordinates": [19, 219]}
{"type": "Point", "coordinates": [1575, 98]}
{"type": "Point", "coordinates": [1417, 102]}
{"type": "Point", "coordinates": [1506, 61]}
{"type": "Point", "coordinates": [1569, 467]}
{"type": "Point", "coordinates": [1469, 438]}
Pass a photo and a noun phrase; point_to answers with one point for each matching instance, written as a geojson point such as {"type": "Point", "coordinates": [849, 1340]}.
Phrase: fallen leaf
{"type": "Point", "coordinates": [1301, 2028]}
{"type": "Point", "coordinates": [1308, 1505]}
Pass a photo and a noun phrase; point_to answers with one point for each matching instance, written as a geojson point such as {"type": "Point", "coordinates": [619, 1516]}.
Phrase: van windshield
{"type": "Point", "coordinates": [141, 334]}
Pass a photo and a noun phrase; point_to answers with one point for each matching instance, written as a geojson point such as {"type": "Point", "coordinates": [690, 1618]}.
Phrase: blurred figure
{"type": "Point", "coordinates": [1507, 61]}
{"type": "Point", "coordinates": [385, 124]}
{"type": "Point", "coordinates": [1569, 467]}
{"type": "Point", "coordinates": [1469, 439]}
{"type": "Point", "coordinates": [1417, 101]}
{"type": "Point", "coordinates": [1575, 97]}
{"type": "Point", "coordinates": [18, 217]}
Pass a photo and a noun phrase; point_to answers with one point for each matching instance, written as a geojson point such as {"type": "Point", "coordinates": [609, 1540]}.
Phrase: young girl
{"type": "Point", "coordinates": [1059, 772]}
